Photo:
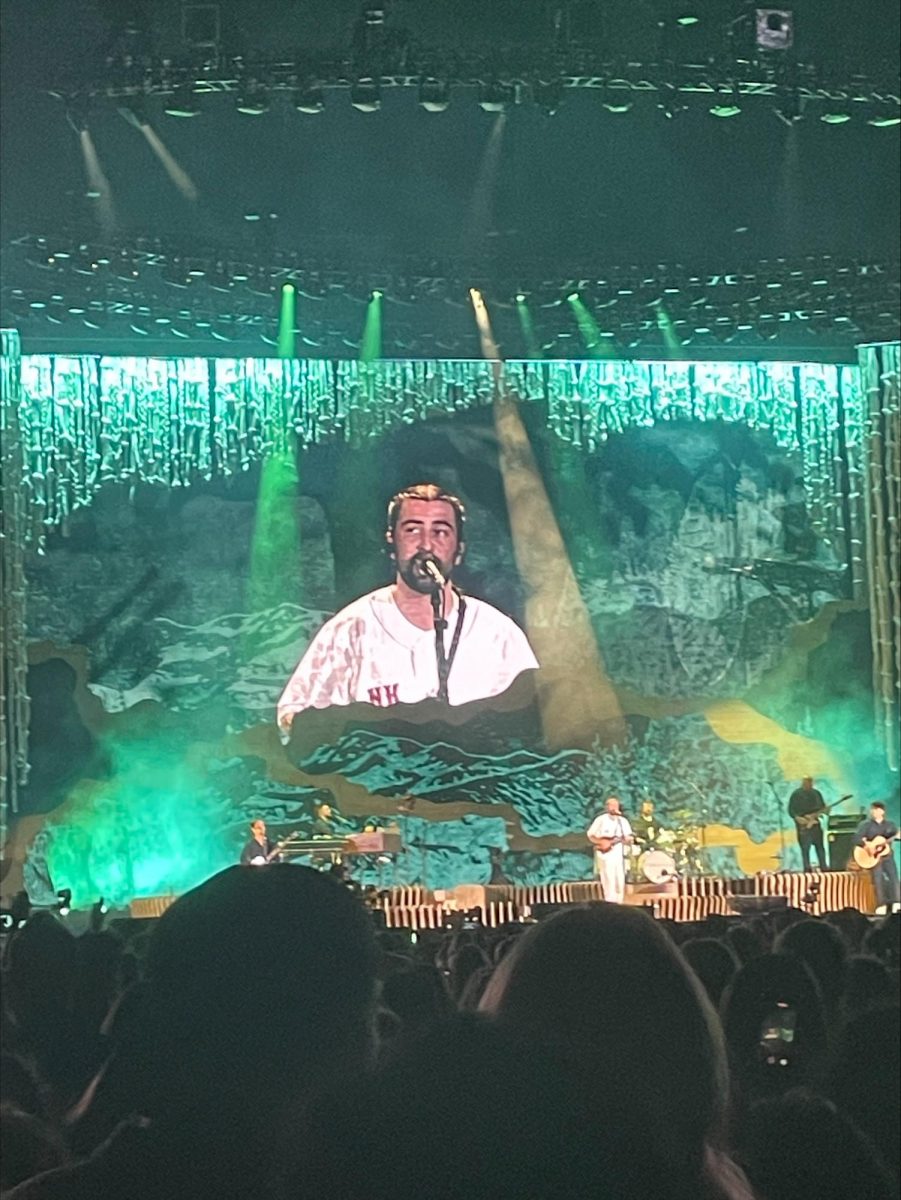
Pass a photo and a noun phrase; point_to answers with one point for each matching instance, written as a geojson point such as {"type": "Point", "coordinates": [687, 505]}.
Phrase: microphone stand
{"type": "Point", "coordinates": [778, 801]}
{"type": "Point", "coordinates": [437, 599]}
{"type": "Point", "coordinates": [702, 825]}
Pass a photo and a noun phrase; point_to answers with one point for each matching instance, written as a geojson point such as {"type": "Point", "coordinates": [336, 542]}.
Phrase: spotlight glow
{"type": "Point", "coordinates": [371, 345]}
{"type": "Point", "coordinates": [527, 326]}
{"type": "Point", "coordinates": [490, 348]}
{"type": "Point", "coordinates": [179, 176]}
{"type": "Point", "coordinates": [591, 332]}
{"type": "Point", "coordinates": [286, 322]}
{"type": "Point", "coordinates": [98, 182]}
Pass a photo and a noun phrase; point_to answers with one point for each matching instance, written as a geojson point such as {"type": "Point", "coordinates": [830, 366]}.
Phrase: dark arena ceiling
{"type": "Point", "coordinates": [527, 147]}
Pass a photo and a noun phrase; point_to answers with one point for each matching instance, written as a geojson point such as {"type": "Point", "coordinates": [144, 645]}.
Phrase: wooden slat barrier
{"type": "Point", "coordinates": [833, 890]}
{"type": "Point", "coordinates": [149, 906]}
{"type": "Point", "coordinates": [687, 900]}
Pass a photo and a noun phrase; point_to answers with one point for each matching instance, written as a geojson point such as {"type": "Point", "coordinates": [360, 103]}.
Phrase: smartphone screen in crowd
{"type": "Point", "coordinates": [777, 1035]}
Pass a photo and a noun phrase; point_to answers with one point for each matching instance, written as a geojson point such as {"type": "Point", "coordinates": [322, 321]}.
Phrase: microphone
{"type": "Point", "coordinates": [433, 570]}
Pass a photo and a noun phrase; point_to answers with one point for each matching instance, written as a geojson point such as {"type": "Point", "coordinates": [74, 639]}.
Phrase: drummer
{"type": "Point", "coordinates": [646, 827]}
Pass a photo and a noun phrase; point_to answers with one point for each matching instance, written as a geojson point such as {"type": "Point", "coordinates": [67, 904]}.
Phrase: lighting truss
{"type": "Point", "coordinates": [763, 78]}
{"type": "Point", "coordinates": [53, 287]}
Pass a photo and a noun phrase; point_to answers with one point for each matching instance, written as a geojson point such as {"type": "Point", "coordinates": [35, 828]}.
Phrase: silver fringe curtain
{"type": "Point", "coordinates": [13, 661]}
{"type": "Point", "coordinates": [879, 368]}
{"type": "Point", "coordinates": [87, 420]}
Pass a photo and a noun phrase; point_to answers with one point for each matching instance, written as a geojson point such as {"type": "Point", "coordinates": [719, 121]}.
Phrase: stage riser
{"type": "Point", "coordinates": [415, 907]}
{"type": "Point", "coordinates": [687, 900]}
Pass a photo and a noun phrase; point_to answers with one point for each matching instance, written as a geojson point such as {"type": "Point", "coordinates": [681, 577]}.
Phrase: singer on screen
{"type": "Point", "coordinates": [419, 637]}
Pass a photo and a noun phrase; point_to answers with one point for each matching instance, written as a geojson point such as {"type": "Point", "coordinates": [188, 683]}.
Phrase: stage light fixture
{"type": "Point", "coordinates": [183, 103]}
{"type": "Point", "coordinates": [97, 915]}
{"type": "Point", "coordinates": [549, 95]}
{"type": "Point", "coordinates": [200, 26]}
{"type": "Point", "coordinates": [789, 108]}
{"type": "Point", "coordinates": [670, 104]}
{"type": "Point", "coordinates": [366, 95]}
{"type": "Point", "coordinates": [495, 97]}
{"type": "Point", "coordinates": [434, 94]}
{"type": "Point", "coordinates": [309, 98]}
{"type": "Point", "coordinates": [617, 101]}
{"type": "Point", "coordinates": [775, 28]}
{"type": "Point", "coordinates": [77, 114]}
{"type": "Point", "coordinates": [252, 100]}
{"type": "Point", "coordinates": [727, 106]}
{"type": "Point", "coordinates": [20, 909]}
{"type": "Point", "coordinates": [884, 115]}
{"type": "Point", "coordinates": [134, 111]}
{"type": "Point", "coordinates": [836, 114]}
{"type": "Point", "coordinates": [64, 901]}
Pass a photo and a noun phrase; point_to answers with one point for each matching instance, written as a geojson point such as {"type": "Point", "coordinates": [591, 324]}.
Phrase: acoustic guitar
{"type": "Point", "coordinates": [809, 820]}
{"type": "Point", "coordinates": [607, 843]}
{"type": "Point", "coordinates": [872, 852]}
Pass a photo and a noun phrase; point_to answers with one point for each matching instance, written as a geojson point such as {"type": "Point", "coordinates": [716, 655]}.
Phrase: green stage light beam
{"type": "Point", "coordinates": [286, 321]}
{"type": "Point", "coordinates": [595, 343]}
{"type": "Point", "coordinates": [671, 340]}
{"type": "Point", "coordinates": [275, 552]}
{"type": "Point", "coordinates": [527, 325]}
{"type": "Point", "coordinates": [371, 345]}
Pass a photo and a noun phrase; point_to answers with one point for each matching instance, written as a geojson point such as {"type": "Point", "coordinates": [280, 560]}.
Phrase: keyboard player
{"type": "Point", "coordinates": [324, 821]}
{"type": "Point", "coordinates": [327, 824]}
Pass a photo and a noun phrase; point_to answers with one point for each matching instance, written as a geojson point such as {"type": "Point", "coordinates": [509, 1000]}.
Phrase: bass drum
{"type": "Point", "coordinates": [657, 866]}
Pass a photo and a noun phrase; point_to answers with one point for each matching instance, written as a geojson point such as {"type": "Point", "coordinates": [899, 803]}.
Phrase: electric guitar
{"type": "Point", "coordinates": [261, 860]}
{"type": "Point", "coordinates": [872, 852]}
{"type": "Point", "coordinates": [809, 820]}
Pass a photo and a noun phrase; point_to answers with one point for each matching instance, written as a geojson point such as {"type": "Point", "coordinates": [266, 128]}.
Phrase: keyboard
{"type": "Point", "coordinates": [379, 842]}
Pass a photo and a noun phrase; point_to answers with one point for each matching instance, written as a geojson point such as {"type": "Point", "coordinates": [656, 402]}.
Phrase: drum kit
{"type": "Point", "coordinates": [670, 854]}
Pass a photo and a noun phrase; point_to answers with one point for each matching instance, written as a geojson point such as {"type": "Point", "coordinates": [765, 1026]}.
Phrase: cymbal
{"type": "Point", "coordinates": [683, 814]}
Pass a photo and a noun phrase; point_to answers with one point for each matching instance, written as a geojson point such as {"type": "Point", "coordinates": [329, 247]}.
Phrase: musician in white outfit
{"type": "Point", "coordinates": [381, 649]}
{"type": "Point", "coordinates": [610, 834]}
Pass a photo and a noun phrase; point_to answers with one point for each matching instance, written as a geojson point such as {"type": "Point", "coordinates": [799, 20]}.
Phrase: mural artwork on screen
{"type": "Point", "coordinates": [670, 579]}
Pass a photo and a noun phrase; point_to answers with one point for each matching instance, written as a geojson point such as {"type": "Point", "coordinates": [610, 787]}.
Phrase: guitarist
{"type": "Point", "coordinates": [885, 872]}
{"type": "Point", "coordinates": [260, 849]}
{"type": "Point", "coordinates": [804, 807]}
{"type": "Point", "coordinates": [610, 833]}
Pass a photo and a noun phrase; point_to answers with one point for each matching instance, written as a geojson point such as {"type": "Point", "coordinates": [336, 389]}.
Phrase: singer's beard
{"type": "Point", "coordinates": [415, 576]}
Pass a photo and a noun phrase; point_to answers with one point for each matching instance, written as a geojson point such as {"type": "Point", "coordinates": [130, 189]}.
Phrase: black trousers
{"type": "Point", "coordinates": [812, 837]}
{"type": "Point", "coordinates": [885, 881]}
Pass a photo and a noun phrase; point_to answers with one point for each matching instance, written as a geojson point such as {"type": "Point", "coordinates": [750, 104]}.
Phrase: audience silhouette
{"type": "Point", "coordinates": [264, 1037]}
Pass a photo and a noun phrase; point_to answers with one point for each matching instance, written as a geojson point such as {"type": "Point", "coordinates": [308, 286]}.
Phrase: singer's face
{"type": "Point", "coordinates": [425, 528]}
